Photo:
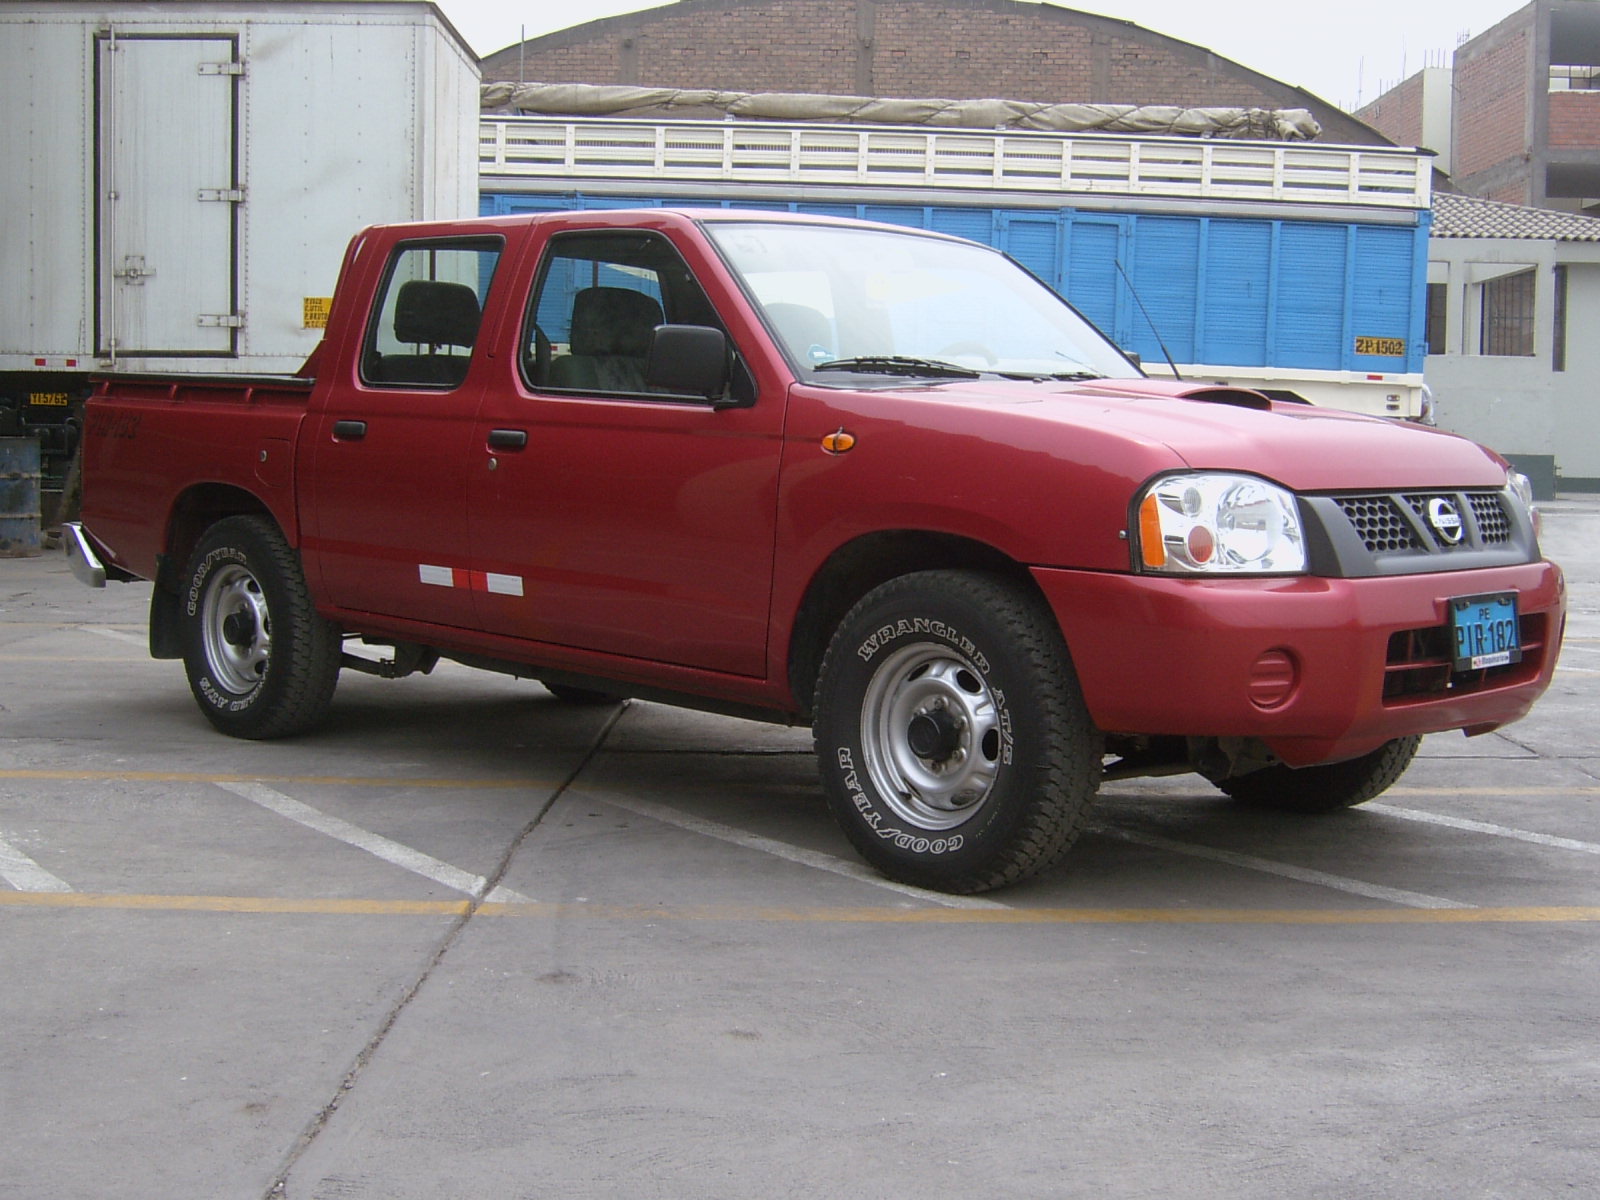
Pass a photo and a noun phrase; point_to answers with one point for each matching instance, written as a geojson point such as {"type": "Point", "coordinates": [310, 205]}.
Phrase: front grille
{"type": "Point", "coordinates": [1379, 524]}
{"type": "Point", "coordinates": [1399, 524]}
{"type": "Point", "coordinates": [1494, 527]}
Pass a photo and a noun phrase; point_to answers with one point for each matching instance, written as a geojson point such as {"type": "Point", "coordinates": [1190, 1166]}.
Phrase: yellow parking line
{"type": "Point", "coordinates": [1537, 915]}
{"type": "Point", "coordinates": [1423, 790]}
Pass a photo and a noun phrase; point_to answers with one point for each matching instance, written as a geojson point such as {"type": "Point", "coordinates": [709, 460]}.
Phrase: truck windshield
{"type": "Point", "coordinates": [848, 303]}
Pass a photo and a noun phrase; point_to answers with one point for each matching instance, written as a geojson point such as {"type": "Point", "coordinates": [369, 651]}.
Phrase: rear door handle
{"type": "Point", "coordinates": [349, 431]}
{"type": "Point", "coordinates": [508, 439]}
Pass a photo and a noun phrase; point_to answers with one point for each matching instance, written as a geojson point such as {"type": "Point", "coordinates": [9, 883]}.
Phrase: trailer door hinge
{"type": "Point", "coordinates": [222, 68]}
{"type": "Point", "coordinates": [227, 195]}
{"type": "Point", "coordinates": [220, 320]}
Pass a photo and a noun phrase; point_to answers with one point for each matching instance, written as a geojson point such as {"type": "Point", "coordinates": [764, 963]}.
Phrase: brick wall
{"type": "Point", "coordinates": [960, 49]}
{"type": "Point", "coordinates": [1575, 120]}
{"type": "Point", "coordinates": [1491, 114]}
{"type": "Point", "coordinates": [1398, 112]}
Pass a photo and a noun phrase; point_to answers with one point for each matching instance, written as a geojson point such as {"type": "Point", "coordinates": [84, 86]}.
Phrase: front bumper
{"type": "Point", "coordinates": [1318, 669]}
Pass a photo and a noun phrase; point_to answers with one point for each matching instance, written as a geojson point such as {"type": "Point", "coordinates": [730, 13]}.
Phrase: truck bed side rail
{"type": "Point", "coordinates": [808, 154]}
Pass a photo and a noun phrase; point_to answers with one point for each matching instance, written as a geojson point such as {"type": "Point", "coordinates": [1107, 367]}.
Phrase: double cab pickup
{"type": "Point", "coordinates": [875, 480]}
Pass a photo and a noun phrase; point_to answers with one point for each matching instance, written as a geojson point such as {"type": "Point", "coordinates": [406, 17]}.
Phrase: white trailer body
{"type": "Point", "coordinates": [180, 180]}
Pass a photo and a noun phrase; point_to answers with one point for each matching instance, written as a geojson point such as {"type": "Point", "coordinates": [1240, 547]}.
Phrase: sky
{"type": "Point", "coordinates": [1347, 53]}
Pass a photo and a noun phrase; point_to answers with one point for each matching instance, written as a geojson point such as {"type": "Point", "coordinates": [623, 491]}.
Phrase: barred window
{"type": "Point", "coordinates": [1508, 315]}
{"type": "Point", "coordinates": [1558, 350]}
{"type": "Point", "coordinates": [1438, 301]}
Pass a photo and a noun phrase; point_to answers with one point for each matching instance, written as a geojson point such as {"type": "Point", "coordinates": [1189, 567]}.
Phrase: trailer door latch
{"type": "Point", "coordinates": [133, 269]}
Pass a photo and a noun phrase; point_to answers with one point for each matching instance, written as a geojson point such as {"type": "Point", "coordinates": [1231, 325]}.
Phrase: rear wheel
{"type": "Point", "coordinates": [953, 741]}
{"type": "Point", "coordinates": [260, 661]}
{"type": "Point", "coordinates": [1325, 788]}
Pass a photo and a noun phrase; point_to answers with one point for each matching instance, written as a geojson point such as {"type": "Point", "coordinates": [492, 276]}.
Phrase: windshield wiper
{"type": "Point", "coordinates": [894, 364]}
{"type": "Point", "coordinates": [1042, 376]}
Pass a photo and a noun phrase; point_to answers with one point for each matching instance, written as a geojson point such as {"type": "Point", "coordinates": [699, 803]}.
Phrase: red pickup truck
{"type": "Point", "coordinates": [872, 479]}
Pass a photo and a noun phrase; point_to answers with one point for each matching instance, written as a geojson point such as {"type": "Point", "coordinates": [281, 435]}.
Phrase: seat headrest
{"type": "Point", "coordinates": [609, 320]}
{"type": "Point", "coordinates": [432, 313]}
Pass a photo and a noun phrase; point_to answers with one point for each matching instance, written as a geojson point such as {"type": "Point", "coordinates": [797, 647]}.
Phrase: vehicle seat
{"type": "Point", "coordinates": [433, 314]}
{"type": "Point", "coordinates": [611, 329]}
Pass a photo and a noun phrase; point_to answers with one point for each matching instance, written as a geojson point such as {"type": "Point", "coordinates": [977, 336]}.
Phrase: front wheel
{"type": "Point", "coordinates": [260, 661]}
{"type": "Point", "coordinates": [1327, 788]}
{"type": "Point", "coordinates": [954, 744]}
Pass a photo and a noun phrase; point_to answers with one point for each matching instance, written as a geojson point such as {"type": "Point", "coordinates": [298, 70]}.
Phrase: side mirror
{"type": "Point", "coordinates": [689, 360]}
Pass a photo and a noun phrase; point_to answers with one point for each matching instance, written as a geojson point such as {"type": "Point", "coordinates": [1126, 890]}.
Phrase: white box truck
{"type": "Point", "coordinates": [178, 181]}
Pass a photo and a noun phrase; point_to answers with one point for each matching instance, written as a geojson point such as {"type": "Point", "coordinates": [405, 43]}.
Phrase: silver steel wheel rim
{"type": "Point", "coordinates": [925, 686]}
{"type": "Point", "coordinates": [237, 629]}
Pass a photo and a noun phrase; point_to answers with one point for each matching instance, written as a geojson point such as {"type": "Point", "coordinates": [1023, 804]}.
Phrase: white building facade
{"type": "Point", "coordinates": [1514, 335]}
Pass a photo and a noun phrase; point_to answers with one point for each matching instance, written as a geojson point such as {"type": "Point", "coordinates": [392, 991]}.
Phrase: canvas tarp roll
{"type": "Point", "coordinates": [622, 101]}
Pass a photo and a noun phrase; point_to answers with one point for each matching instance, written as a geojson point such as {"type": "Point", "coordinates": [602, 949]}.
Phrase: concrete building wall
{"type": "Point", "coordinates": [1417, 112]}
{"type": "Point", "coordinates": [1522, 406]}
{"type": "Point", "coordinates": [959, 49]}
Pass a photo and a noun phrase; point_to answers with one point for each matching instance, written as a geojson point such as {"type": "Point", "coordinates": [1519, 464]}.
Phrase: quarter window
{"type": "Point", "coordinates": [428, 313]}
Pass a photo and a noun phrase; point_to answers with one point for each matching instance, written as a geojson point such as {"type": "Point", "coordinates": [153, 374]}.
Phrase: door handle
{"type": "Point", "coordinates": [508, 439]}
{"type": "Point", "coordinates": [349, 431]}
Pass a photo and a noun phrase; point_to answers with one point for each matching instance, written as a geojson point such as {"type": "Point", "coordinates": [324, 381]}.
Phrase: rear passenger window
{"type": "Point", "coordinates": [428, 312]}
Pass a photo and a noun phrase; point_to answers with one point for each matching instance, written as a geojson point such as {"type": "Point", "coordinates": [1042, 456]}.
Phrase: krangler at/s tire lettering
{"type": "Point", "coordinates": [260, 661]}
{"type": "Point", "coordinates": [954, 744]}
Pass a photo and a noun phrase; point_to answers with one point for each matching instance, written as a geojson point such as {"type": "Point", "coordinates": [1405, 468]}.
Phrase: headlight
{"type": "Point", "coordinates": [1204, 523]}
{"type": "Point", "coordinates": [1522, 487]}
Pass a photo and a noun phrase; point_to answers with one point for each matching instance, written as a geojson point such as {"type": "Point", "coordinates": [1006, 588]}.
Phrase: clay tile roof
{"type": "Point", "coordinates": [1469, 217]}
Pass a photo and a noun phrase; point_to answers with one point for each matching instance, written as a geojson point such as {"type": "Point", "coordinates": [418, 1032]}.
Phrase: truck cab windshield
{"type": "Point", "coordinates": [846, 303]}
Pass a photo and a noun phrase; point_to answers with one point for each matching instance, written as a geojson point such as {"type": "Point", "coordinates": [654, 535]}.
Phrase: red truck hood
{"type": "Point", "coordinates": [1300, 446]}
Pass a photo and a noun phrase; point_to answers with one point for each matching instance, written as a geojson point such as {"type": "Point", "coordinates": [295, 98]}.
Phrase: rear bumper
{"type": "Point", "coordinates": [1318, 669]}
{"type": "Point", "coordinates": [82, 556]}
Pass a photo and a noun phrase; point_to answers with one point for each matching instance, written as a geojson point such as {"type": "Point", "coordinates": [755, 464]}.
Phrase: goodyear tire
{"type": "Point", "coordinates": [953, 741]}
{"type": "Point", "coordinates": [260, 661]}
{"type": "Point", "coordinates": [1326, 788]}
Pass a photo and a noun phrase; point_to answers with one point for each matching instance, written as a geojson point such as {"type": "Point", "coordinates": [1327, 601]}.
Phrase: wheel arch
{"type": "Point", "coordinates": [857, 567]}
{"type": "Point", "coordinates": [196, 510]}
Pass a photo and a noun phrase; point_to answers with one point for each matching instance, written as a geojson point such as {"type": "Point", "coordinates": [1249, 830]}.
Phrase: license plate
{"type": "Point", "coordinates": [1485, 631]}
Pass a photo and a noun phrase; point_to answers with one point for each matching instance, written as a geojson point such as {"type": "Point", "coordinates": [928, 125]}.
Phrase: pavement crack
{"type": "Point", "coordinates": [279, 1186]}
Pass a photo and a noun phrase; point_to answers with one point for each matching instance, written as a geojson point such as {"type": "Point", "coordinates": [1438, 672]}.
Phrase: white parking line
{"type": "Point", "coordinates": [1505, 831]}
{"type": "Point", "coordinates": [1303, 874]}
{"type": "Point", "coordinates": [118, 635]}
{"type": "Point", "coordinates": [25, 875]}
{"type": "Point", "coordinates": [795, 854]}
{"type": "Point", "coordinates": [375, 844]}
